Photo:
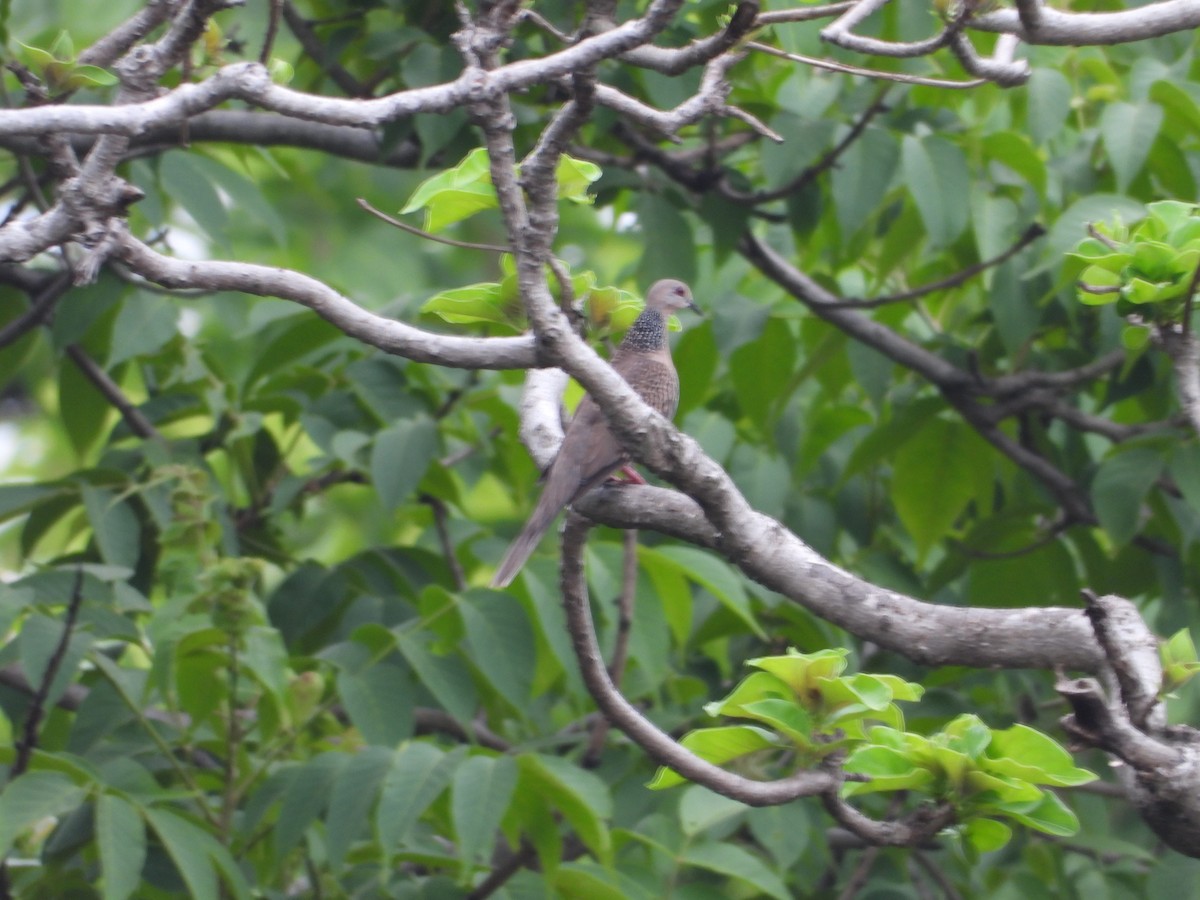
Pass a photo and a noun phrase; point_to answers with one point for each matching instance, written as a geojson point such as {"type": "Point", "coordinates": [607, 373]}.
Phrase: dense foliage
{"type": "Point", "coordinates": [247, 647]}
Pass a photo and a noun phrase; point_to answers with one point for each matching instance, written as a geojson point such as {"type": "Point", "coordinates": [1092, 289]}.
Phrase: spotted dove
{"type": "Point", "coordinates": [590, 452]}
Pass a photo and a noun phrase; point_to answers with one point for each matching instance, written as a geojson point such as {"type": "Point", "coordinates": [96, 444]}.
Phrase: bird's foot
{"type": "Point", "coordinates": [630, 474]}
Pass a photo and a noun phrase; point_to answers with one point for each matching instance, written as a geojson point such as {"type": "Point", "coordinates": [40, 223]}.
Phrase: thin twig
{"type": "Point", "coordinates": [1048, 537]}
{"type": "Point", "coordinates": [1103, 238]}
{"type": "Point", "coordinates": [827, 161]}
{"type": "Point", "coordinates": [273, 14]}
{"type": "Point", "coordinates": [1031, 234]}
{"type": "Point", "coordinates": [39, 310]}
{"type": "Point", "coordinates": [802, 14]}
{"type": "Point", "coordinates": [457, 575]}
{"type": "Point", "coordinates": [933, 871]}
{"type": "Point", "coordinates": [137, 422]}
{"type": "Point", "coordinates": [525, 857]}
{"type": "Point", "coordinates": [37, 707]}
{"type": "Point", "coordinates": [868, 73]}
{"type": "Point", "coordinates": [859, 876]}
{"type": "Point", "coordinates": [419, 232]}
{"type": "Point", "coordinates": [319, 53]}
{"type": "Point", "coordinates": [232, 737]}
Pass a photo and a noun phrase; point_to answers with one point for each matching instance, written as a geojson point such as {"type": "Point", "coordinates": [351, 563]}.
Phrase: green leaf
{"type": "Point", "coordinates": [701, 809]}
{"type": "Point", "coordinates": [482, 788]}
{"type": "Point", "coordinates": [90, 76]}
{"type": "Point", "coordinates": [244, 194]}
{"type": "Point", "coordinates": [801, 671]}
{"type": "Point", "coordinates": [888, 769]}
{"type": "Point", "coordinates": [717, 578]}
{"type": "Point", "coordinates": [501, 643]}
{"type": "Point", "coordinates": [1120, 486]}
{"type": "Point", "coordinates": [670, 250]}
{"type": "Point", "coordinates": [83, 409]}
{"type": "Point", "coordinates": [455, 194]}
{"type": "Point", "coordinates": [1050, 815]}
{"type": "Point", "coordinates": [1023, 752]}
{"type": "Point", "coordinates": [116, 528]}
{"type": "Point", "coordinates": [379, 702]}
{"type": "Point", "coordinates": [939, 184]}
{"type": "Point", "coordinates": [582, 796]}
{"type": "Point", "coordinates": [487, 302]}
{"type": "Point", "coordinates": [761, 369]}
{"type": "Point", "coordinates": [1179, 106]}
{"type": "Point", "coordinates": [38, 642]}
{"type": "Point", "coordinates": [751, 689]}
{"type": "Point", "coordinates": [575, 176]}
{"type": "Point", "coordinates": [1179, 648]}
{"type": "Point", "coordinates": [356, 787]}
{"type": "Point", "coordinates": [985, 835]}
{"type": "Point", "coordinates": [934, 478]}
{"type": "Point", "coordinates": [446, 678]}
{"type": "Point", "coordinates": [419, 773]}
{"type": "Point", "coordinates": [1013, 149]}
{"type": "Point", "coordinates": [717, 746]}
{"type": "Point", "coordinates": [18, 499]}
{"type": "Point", "coordinates": [399, 457]}
{"type": "Point", "coordinates": [194, 852]}
{"type": "Point", "coordinates": [784, 831]}
{"type": "Point", "coordinates": [997, 787]}
{"type": "Point", "coordinates": [1049, 101]}
{"type": "Point", "coordinates": [31, 797]}
{"type": "Point", "coordinates": [734, 862]}
{"type": "Point", "coordinates": [863, 178]}
{"type": "Point", "coordinates": [306, 797]}
{"type": "Point", "coordinates": [145, 324]}
{"type": "Point", "coordinates": [1073, 222]}
{"type": "Point", "coordinates": [785, 716]}
{"type": "Point", "coordinates": [121, 837]}
{"type": "Point", "coordinates": [1129, 131]}
{"type": "Point", "coordinates": [184, 179]}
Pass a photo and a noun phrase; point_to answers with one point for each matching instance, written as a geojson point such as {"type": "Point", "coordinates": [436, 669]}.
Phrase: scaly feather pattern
{"type": "Point", "coordinates": [590, 452]}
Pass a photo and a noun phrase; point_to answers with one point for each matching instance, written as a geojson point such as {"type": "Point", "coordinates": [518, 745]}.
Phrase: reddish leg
{"type": "Point", "coordinates": [630, 473]}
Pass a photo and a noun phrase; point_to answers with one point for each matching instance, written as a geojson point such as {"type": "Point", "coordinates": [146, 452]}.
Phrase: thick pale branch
{"type": "Point", "coordinates": [720, 519]}
{"type": "Point", "coordinates": [262, 129]}
{"type": "Point", "coordinates": [1184, 351]}
{"type": "Point", "coordinates": [840, 32]}
{"type": "Point", "coordinates": [1081, 29]}
{"type": "Point", "coordinates": [249, 81]}
{"type": "Point", "coordinates": [377, 331]}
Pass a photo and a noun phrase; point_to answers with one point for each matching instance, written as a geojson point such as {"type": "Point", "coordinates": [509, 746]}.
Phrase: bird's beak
{"type": "Point", "coordinates": [694, 308]}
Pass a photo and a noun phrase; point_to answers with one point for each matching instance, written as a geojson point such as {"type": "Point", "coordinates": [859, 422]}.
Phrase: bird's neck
{"type": "Point", "coordinates": [648, 332]}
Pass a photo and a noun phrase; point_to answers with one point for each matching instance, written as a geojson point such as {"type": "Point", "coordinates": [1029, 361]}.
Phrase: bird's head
{"type": "Point", "coordinates": [669, 295]}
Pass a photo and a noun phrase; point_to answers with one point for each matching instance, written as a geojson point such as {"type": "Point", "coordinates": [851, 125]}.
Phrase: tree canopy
{"type": "Point", "coordinates": [293, 296]}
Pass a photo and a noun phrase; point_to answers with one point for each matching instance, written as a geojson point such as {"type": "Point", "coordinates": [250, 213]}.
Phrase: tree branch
{"type": "Point", "coordinates": [377, 331]}
{"type": "Point", "coordinates": [657, 744]}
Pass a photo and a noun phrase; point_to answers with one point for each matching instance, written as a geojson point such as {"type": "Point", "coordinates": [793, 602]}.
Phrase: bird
{"type": "Point", "coordinates": [590, 452]}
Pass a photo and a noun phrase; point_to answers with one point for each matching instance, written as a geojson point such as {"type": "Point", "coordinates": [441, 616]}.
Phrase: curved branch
{"type": "Point", "coordinates": [624, 715]}
{"type": "Point", "coordinates": [839, 32]}
{"type": "Point", "coordinates": [118, 41]}
{"type": "Point", "coordinates": [908, 832]}
{"type": "Point", "coordinates": [386, 334]}
{"type": "Point", "coordinates": [1035, 23]}
{"type": "Point", "coordinates": [249, 81]}
{"type": "Point", "coordinates": [1031, 234]}
{"type": "Point", "coordinates": [826, 305]}
{"type": "Point", "coordinates": [253, 128]}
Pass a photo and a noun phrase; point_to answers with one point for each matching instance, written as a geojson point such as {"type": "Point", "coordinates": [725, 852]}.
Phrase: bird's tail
{"type": "Point", "coordinates": [526, 542]}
